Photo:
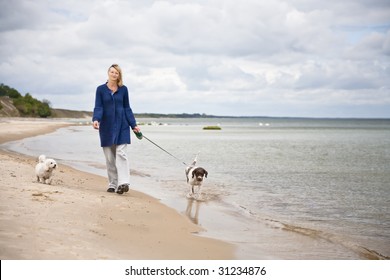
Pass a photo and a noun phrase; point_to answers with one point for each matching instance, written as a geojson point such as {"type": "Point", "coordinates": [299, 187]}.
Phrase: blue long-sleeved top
{"type": "Point", "coordinates": [114, 114]}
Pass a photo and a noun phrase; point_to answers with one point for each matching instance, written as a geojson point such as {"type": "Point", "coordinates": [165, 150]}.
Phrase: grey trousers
{"type": "Point", "coordinates": [117, 165]}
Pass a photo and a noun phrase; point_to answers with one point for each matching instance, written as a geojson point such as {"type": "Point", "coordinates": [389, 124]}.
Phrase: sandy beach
{"type": "Point", "coordinates": [74, 218]}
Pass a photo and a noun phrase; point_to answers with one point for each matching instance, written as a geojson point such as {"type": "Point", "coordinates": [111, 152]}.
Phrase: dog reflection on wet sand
{"type": "Point", "coordinates": [192, 211]}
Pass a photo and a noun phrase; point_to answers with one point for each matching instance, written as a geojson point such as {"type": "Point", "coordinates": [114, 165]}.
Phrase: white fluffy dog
{"type": "Point", "coordinates": [44, 169]}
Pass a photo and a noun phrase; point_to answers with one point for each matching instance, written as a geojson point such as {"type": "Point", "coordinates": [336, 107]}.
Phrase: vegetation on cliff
{"type": "Point", "coordinates": [27, 106]}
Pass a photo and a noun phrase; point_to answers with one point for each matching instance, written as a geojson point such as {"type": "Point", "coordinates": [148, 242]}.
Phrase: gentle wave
{"type": "Point", "coordinates": [363, 252]}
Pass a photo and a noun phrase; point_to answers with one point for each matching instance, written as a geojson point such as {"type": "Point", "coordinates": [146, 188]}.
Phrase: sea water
{"type": "Point", "coordinates": [278, 188]}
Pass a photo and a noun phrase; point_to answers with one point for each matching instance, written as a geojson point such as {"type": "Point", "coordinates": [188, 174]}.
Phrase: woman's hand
{"type": "Point", "coordinates": [136, 129]}
{"type": "Point", "coordinates": [137, 132]}
{"type": "Point", "coordinates": [95, 125]}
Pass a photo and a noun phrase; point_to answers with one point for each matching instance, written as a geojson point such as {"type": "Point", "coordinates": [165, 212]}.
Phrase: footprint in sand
{"type": "Point", "coordinates": [42, 196]}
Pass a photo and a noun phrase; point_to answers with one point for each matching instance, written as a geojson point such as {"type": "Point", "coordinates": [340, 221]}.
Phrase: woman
{"type": "Point", "coordinates": [112, 116]}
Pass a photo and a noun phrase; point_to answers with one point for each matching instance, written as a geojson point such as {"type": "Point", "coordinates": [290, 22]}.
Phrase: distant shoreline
{"type": "Point", "coordinates": [74, 114]}
{"type": "Point", "coordinates": [200, 116]}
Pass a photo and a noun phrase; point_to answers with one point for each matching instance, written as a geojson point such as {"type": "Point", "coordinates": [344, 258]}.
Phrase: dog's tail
{"type": "Point", "coordinates": [195, 160]}
{"type": "Point", "coordinates": [42, 158]}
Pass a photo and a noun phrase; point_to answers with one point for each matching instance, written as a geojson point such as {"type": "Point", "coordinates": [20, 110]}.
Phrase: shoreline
{"type": "Point", "coordinates": [74, 219]}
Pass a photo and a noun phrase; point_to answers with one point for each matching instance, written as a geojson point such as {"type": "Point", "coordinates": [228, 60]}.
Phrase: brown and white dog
{"type": "Point", "coordinates": [195, 176]}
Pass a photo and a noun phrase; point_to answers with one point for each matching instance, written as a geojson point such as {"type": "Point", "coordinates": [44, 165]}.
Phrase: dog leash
{"type": "Point", "coordinates": [140, 136]}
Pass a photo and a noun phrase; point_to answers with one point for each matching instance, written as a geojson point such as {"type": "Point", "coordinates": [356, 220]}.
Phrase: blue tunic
{"type": "Point", "coordinates": [114, 114]}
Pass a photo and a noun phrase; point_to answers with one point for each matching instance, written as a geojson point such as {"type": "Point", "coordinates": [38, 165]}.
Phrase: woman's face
{"type": "Point", "coordinates": [113, 74]}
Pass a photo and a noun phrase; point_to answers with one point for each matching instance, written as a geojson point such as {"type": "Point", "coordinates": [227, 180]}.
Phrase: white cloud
{"type": "Point", "coordinates": [218, 57]}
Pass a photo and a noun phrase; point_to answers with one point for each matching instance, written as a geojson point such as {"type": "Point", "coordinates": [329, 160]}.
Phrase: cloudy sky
{"type": "Point", "coordinates": [309, 58]}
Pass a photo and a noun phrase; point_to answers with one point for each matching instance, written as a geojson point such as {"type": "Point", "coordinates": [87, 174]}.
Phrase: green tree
{"type": "Point", "coordinates": [8, 91]}
{"type": "Point", "coordinates": [27, 105]}
{"type": "Point", "coordinates": [44, 110]}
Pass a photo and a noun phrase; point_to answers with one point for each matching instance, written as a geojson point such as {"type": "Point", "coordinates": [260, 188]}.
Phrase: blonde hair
{"type": "Point", "coordinates": [117, 68]}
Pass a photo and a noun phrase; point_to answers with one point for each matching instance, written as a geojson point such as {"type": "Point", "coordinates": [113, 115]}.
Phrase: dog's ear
{"type": "Point", "coordinates": [206, 173]}
{"type": "Point", "coordinates": [193, 173]}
